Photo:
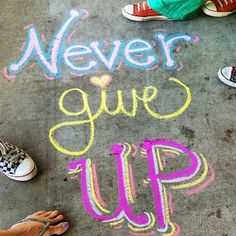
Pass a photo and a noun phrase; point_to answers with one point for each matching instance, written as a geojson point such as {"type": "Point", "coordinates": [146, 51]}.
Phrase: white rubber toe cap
{"type": "Point", "coordinates": [129, 9]}
{"type": "Point", "coordinates": [226, 72]}
{"type": "Point", "coordinates": [225, 75]}
{"type": "Point", "coordinates": [25, 167]}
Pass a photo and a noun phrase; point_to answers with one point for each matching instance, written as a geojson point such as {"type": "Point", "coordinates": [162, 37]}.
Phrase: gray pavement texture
{"type": "Point", "coordinates": [29, 108]}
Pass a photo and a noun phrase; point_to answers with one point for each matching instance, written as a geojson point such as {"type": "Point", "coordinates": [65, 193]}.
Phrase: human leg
{"type": "Point", "coordinates": [162, 10]}
{"type": "Point", "coordinates": [141, 12]}
{"type": "Point", "coordinates": [177, 9]}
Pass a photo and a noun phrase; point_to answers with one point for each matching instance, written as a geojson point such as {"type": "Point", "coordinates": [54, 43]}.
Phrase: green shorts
{"type": "Point", "coordinates": [176, 9]}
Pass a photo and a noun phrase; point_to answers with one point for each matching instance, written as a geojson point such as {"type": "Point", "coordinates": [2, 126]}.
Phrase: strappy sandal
{"type": "Point", "coordinates": [43, 230]}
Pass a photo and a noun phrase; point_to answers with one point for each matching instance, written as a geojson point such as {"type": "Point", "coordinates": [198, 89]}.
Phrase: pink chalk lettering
{"type": "Point", "coordinates": [139, 46]}
{"type": "Point", "coordinates": [167, 44]}
{"type": "Point", "coordinates": [137, 53]}
{"type": "Point", "coordinates": [112, 60]}
{"type": "Point", "coordinates": [78, 51]}
{"type": "Point", "coordinates": [157, 179]}
{"type": "Point", "coordinates": [49, 62]}
{"type": "Point", "coordinates": [124, 209]}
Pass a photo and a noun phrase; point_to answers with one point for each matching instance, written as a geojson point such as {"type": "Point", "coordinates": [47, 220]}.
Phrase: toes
{"type": "Point", "coordinates": [53, 214]}
{"type": "Point", "coordinates": [46, 214]}
{"type": "Point", "coordinates": [58, 229]}
{"type": "Point", "coordinates": [39, 213]}
{"type": "Point", "coordinates": [56, 219]}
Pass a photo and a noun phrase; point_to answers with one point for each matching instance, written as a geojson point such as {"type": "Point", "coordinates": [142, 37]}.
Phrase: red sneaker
{"type": "Point", "coordinates": [219, 8]}
{"type": "Point", "coordinates": [141, 12]}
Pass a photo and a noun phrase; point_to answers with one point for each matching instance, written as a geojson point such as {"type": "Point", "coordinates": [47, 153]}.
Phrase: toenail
{"type": "Point", "coordinates": [66, 225]}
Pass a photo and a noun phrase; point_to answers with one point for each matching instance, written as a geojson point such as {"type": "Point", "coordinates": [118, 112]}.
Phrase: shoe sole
{"type": "Point", "coordinates": [147, 18]}
{"type": "Point", "coordinates": [217, 14]}
{"type": "Point", "coordinates": [225, 80]}
{"type": "Point", "coordinates": [25, 177]}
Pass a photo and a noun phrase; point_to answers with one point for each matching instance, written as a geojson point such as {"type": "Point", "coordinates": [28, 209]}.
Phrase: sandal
{"type": "Point", "coordinates": [43, 230]}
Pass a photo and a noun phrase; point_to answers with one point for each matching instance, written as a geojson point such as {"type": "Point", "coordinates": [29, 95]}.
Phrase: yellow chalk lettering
{"type": "Point", "coordinates": [90, 121]}
{"type": "Point", "coordinates": [149, 94]}
{"type": "Point", "coordinates": [147, 99]}
{"type": "Point", "coordinates": [120, 104]}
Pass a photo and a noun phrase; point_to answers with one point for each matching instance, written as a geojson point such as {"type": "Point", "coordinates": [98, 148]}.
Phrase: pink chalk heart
{"type": "Point", "coordinates": [102, 81]}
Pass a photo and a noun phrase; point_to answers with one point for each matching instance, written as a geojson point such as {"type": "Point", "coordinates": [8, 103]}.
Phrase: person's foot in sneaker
{"type": "Point", "coordinates": [141, 12]}
{"type": "Point", "coordinates": [41, 223]}
{"type": "Point", "coordinates": [219, 8]}
{"type": "Point", "coordinates": [15, 163]}
{"type": "Point", "coordinates": [228, 76]}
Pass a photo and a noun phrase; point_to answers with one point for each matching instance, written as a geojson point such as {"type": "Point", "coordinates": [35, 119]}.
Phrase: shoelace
{"type": "Point", "coordinates": [223, 3]}
{"type": "Point", "coordinates": [234, 70]}
{"type": "Point", "coordinates": [142, 6]}
{"type": "Point", "coordinates": [9, 154]}
{"type": "Point", "coordinates": [233, 73]}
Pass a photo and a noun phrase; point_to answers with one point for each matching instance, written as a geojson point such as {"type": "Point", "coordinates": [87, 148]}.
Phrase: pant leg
{"type": "Point", "coordinates": [176, 9]}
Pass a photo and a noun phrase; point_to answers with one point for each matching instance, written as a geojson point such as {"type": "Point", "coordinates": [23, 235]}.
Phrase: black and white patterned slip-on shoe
{"type": "Point", "coordinates": [228, 76]}
{"type": "Point", "coordinates": [16, 163]}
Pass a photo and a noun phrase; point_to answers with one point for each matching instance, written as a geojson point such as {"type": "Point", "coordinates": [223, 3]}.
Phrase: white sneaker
{"type": "Point", "coordinates": [228, 76]}
{"type": "Point", "coordinates": [15, 163]}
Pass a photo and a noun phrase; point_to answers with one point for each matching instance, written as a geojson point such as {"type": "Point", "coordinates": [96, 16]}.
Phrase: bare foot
{"type": "Point", "coordinates": [33, 228]}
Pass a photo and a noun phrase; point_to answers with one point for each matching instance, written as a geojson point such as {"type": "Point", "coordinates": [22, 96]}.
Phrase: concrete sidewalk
{"type": "Point", "coordinates": [29, 109]}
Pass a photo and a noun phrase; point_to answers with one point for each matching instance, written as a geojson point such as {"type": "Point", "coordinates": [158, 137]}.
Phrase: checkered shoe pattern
{"type": "Point", "coordinates": [10, 157]}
